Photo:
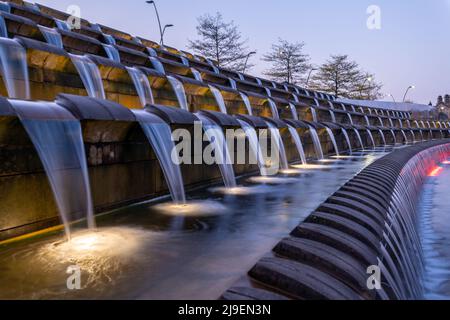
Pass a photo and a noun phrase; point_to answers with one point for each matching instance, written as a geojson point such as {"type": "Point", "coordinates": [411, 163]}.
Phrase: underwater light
{"type": "Point", "coordinates": [192, 209]}
{"type": "Point", "coordinates": [435, 172]}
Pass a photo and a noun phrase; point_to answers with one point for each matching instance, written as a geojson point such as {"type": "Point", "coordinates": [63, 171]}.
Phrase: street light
{"type": "Point", "coordinates": [309, 76]}
{"type": "Point", "coordinates": [246, 60]}
{"type": "Point", "coordinates": [164, 31]}
{"type": "Point", "coordinates": [406, 93]}
{"type": "Point", "coordinates": [390, 95]}
{"type": "Point", "coordinates": [161, 31]}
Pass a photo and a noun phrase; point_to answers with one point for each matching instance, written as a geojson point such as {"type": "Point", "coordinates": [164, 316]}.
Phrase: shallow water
{"type": "Point", "coordinates": [435, 215]}
{"type": "Point", "coordinates": [142, 253]}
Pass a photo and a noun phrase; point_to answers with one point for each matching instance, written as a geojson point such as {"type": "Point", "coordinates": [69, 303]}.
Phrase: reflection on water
{"type": "Point", "coordinates": [436, 234]}
{"type": "Point", "coordinates": [138, 254]}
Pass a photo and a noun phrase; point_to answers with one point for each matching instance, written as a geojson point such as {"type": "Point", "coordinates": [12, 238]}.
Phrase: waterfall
{"type": "Point", "coordinates": [247, 103]}
{"type": "Point", "coordinates": [241, 76]}
{"type": "Point", "coordinates": [14, 69]}
{"type": "Point", "coordinates": [275, 134]}
{"type": "Point", "coordinates": [63, 25]}
{"type": "Point", "coordinates": [5, 7]}
{"type": "Point", "coordinates": [197, 75]}
{"type": "Point", "coordinates": [255, 147]}
{"type": "Point", "coordinates": [333, 140]}
{"type": "Point", "coordinates": [298, 143]}
{"type": "Point", "coordinates": [157, 65]}
{"type": "Point", "coordinates": [159, 136]}
{"type": "Point", "coordinates": [391, 122]}
{"type": "Point", "coordinates": [90, 75]}
{"type": "Point", "coordinates": [142, 86]}
{"type": "Point", "coordinates": [347, 139]}
{"type": "Point", "coordinates": [367, 120]}
{"type": "Point", "coordinates": [219, 99]}
{"type": "Point", "coordinates": [52, 36]}
{"type": "Point", "coordinates": [314, 114]}
{"type": "Point", "coordinates": [295, 97]}
{"type": "Point", "coordinates": [350, 118]}
{"type": "Point", "coordinates": [218, 142]}
{"type": "Point", "coordinates": [152, 52]}
{"type": "Point", "coordinates": [109, 39]}
{"type": "Point", "coordinates": [273, 108]}
{"type": "Point", "coordinates": [358, 135]}
{"type": "Point", "coordinates": [268, 92]}
{"type": "Point", "coordinates": [382, 136]}
{"type": "Point", "coordinates": [381, 121]}
{"type": "Point", "coordinates": [333, 116]}
{"type": "Point", "coordinates": [316, 140]}
{"type": "Point", "coordinates": [233, 83]}
{"type": "Point", "coordinates": [213, 66]}
{"type": "Point", "coordinates": [178, 89]}
{"type": "Point", "coordinates": [413, 135]}
{"type": "Point", "coordinates": [59, 144]}
{"type": "Point", "coordinates": [294, 111]}
{"type": "Point", "coordinates": [405, 137]}
{"type": "Point", "coordinates": [259, 82]}
{"type": "Point", "coordinates": [112, 52]}
{"type": "Point", "coordinates": [185, 61]}
{"type": "Point", "coordinates": [3, 28]}
{"type": "Point", "coordinates": [393, 135]}
{"type": "Point", "coordinates": [369, 133]}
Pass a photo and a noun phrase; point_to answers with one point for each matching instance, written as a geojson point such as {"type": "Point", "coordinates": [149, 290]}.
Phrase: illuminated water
{"type": "Point", "coordinates": [134, 255]}
{"type": "Point", "coordinates": [14, 69]}
{"type": "Point", "coordinates": [90, 75]}
{"type": "Point", "coordinates": [179, 91]}
{"type": "Point", "coordinates": [142, 86]}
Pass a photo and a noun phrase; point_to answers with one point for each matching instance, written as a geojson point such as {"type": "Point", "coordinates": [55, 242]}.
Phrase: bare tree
{"type": "Point", "coordinates": [220, 41]}
{"type": "Point", "coordinates": [344, 78]}
{"type": "Point", "coordinates": [289, 63]}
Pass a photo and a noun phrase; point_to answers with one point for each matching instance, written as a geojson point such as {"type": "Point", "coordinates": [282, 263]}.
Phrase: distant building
{"type": "Point", "coordinates": [443, 107]}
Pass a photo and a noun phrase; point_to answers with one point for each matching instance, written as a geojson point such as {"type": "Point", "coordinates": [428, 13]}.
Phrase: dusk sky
{"type": "Point", "coordinates": [411, 48]}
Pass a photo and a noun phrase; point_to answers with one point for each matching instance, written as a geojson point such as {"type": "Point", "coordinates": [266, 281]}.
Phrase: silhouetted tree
{"type": "Point", "coordinates": [220, 41]}
{"type": "Point", "coordinates": [344, 78]}
{"type": "Point", "coordinates": [289, 63]}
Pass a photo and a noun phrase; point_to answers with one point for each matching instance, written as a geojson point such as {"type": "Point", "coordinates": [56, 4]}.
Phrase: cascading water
{"type": "Point", "coordinates": [52, 36]}
{"type": "Point", "coordinates": [157, 65]}
{"type": "Point", "coordinates": [275, 134]}
{"type": "Point", "coordinates": [367, 120]}
{"type": "Point", "coordinates": [333, 140]}
{"type": "Point", "coordinates": [255, 147]}
{"type": "Point", "coordinates": [3, 28]}
{"type": "Point", "coordinates": [333, 116]}
{"type": "Point", "coordinates": [350, 118]}
{"type": "Point", "coordinates": [314, 114]}
{"type": "Point", "coordinates": [14, 69]}
{"type": "Point", "coordinates": [233, 83]}
{"type": "Point", "coordinates": [5, 7]}
{"type": "Point", "coordinates": [112, 52]}
{"type": "Point", "coordinates": [247, 103]}
{"type": "Point", "coordinates": [197, 74]}
{"type": "Point", "coordinates": [293, 111]}
{"type": "Point", "coordinates": [274, 109]}
{"type": "Point", "coordinates": [218, 142]}
{"type": "Point", "coordinates": [268, 92]}
{"type": "Point", "coordinates": [59, 144]}
{"type": "Point", "coordinates": [159, 136]}
{"type": "Point", "coordinates": [369, 133]}
{"type": "Point", "coordinates": [394, 137]}
{"type": "Point", "coordinates": [109, 39]}
{"type": "Point", "coordinates": [316, 140]}
{"type": "Point", "coordinates": [358, 135]}
{"type": "Point", "coordinates": [185, 61]}
{"type": "Point", "coordinates": [63, 25]}
{"type": "Point", "coordinates": [90, 75]}
{"type": "Point", "coordinates": [382, 136]}
{"type": "Point", "coordinates": [142, 86]}
{"type": "Point", "coordinates": [219, 99]}
{"type": "Point", "coordinates": [298, 143]}
{"type": "Point", "coordinates": [347, 139]}
{"type": "Point", "coordinates": [404, 136]}
{"type": "Point", "coordinates": [178, 89]}
{"type": "Point", "coordinates": [413, 135]}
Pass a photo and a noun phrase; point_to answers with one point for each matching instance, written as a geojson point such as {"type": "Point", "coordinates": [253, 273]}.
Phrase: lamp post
{"type": "Point", "coordinates": [406, 93]}
{"type": "Point", "coordinates": [161, 31]}
{"type": "Point", "coordinates": [390, 95]}
{"type": "Point", "coordinates": [246, 60]}
{"type": "Point", "coordinates": [164, 31]}
{"type": "Point", "coordinates": [309, 76]}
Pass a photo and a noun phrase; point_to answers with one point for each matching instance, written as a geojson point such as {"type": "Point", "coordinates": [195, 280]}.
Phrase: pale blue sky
{"type": "Point", "coordinates": [412, 47]}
